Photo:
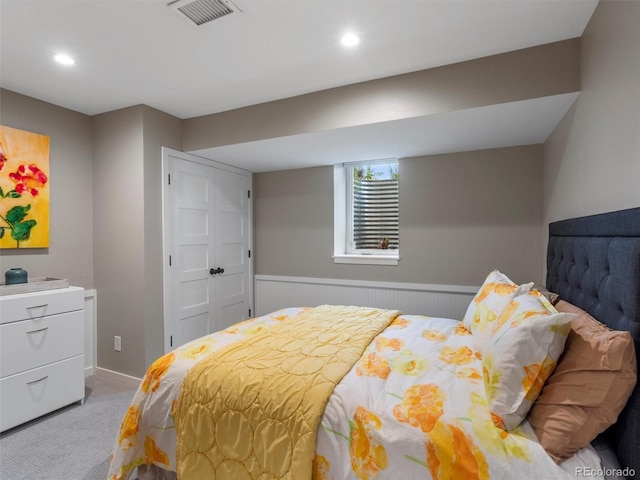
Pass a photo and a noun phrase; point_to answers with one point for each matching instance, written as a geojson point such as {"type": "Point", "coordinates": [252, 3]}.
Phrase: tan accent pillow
{"type": "Point", "coordinates": [588, 389]}
{"type": "Point", "coordinates": [552, 297]}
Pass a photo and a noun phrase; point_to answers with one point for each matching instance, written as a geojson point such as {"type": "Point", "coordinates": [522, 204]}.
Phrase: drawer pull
{"type": "Point", "coordinates": [39, 330]}
{"type": "Point", "coordinates": [39, 380]}
{"type": "Point", "coordinates": [39, 306]}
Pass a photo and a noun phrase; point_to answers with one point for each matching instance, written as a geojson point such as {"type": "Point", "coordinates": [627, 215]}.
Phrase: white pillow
{"type": "Point", "coordinates": [485, 308]}
{"type": "Point", "coordinates": [519, 354]}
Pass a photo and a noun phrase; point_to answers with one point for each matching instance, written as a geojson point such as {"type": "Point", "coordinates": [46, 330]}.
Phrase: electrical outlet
{"type": "Point", "coordinates": [117, 344]}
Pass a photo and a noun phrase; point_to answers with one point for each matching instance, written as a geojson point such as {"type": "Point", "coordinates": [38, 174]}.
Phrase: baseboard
{"type": "Point", "coordinates": [120, 376]}
{"type": "Point", "coordinates": [273, 292]}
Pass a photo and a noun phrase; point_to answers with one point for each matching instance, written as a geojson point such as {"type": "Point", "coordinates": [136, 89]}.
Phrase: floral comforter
{"type": "Point", "coordinates": [413, 406]}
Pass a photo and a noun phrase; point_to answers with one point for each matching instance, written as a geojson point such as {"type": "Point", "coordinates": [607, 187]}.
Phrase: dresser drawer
{"type": "Point", "coordinates": [33, 393]}
{"type": "Point", "coordinates": [40, 304]}
{"type": "Point", "coordinates": [32, 343]}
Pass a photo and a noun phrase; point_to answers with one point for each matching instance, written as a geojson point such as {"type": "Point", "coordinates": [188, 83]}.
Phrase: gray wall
{"type": "Point", "coordinates": [106, 217]}
{"type": "Point", "coordinates": [119, 238]}
{"type": "Point", "coordinates": [160, 130]}
{"type": "Point", "coordinates": [461, 215]}
{"type": "Point", "coordinates": [70, 252]}
{"type": "Point", "coordinates": [128, 233]}
{"type": "Point", "coordinates": [523, 74]}
{"type": "Point", "coordinates": [592, 159]}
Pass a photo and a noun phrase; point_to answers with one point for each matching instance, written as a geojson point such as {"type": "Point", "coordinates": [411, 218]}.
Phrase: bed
{"type": "Point", "coordinates": [370, 393]}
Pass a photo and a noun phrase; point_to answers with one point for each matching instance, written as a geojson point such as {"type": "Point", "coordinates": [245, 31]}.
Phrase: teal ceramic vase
{"type": "Point", "coordinates": [15, 275]}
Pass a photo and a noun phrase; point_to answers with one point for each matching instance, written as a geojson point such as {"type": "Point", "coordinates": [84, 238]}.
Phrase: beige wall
{"type": "Point", "coordinates": [160, 130]}
{"type": "Point", "coordinates": [294, 209]}
{"type": "Point", "coordinates": [592, 159]}
{"type": "Point", "coordinates": [128, 233]}
{"type": "Point", "coordinates": [293, 223]}
{"type": "Point", "coordinates": [464, 214]}
{"type": "Point", "coordinates": [70, 252]}
{"type": "Point", "coordinates": [524, 74]}
{"type": "Point", "coordinates": [106, 217]}
{"type": "Point", "coordinates": [119, 238]}
{"type": "Point", "coordinates": [461, 215]}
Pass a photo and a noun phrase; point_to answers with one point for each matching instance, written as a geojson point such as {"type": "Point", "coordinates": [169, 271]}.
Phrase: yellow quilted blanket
{"type": "Point", "coordinates": [251, 410]}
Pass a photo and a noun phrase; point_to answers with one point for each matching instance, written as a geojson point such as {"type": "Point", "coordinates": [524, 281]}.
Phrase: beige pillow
{"type": "Point", "coordinates": [551, 296]}
{"type": "Point", "coordinates": [588, 389]}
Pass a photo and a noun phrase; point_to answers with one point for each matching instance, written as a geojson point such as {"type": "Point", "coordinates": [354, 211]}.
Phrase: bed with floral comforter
{"type": "Point", "coordinates": [414, 405]}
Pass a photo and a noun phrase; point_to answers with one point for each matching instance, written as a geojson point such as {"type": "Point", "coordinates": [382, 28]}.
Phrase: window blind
{"type": "Point", "coordinates": [375, 213]}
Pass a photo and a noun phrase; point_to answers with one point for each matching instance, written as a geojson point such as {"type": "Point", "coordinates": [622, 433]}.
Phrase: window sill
{"type": "Point", "coordinates": [367, 259]}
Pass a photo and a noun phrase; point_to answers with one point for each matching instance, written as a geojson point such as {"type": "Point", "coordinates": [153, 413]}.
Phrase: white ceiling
{"type": "Point", "coordinates": [131, 52]}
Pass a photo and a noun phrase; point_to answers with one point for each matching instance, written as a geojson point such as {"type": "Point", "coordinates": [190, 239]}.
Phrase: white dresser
{"type": "Point", "coordinates": [41, 353]}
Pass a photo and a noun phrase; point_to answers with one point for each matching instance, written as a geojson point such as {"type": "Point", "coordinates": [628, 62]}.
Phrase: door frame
{"type": "Point", "coordinates": [166, 239]}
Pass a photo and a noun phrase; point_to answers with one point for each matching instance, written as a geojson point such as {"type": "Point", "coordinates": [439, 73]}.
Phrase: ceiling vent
{"type": "Point", "coordinates": [204, 11]}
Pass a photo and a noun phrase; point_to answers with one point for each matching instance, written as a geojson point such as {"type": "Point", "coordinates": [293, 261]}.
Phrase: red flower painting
{"type": "Point", "coordinates": [24, 215]}
{"type": "Point", "coordinates": [28, 179]}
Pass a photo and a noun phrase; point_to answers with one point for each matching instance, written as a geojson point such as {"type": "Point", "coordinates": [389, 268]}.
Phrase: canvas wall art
{"type": "Point", "coordinates": [24, 189]}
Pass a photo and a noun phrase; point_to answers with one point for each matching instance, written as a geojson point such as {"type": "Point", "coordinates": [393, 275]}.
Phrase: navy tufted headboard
{"type": "Point", "coordinates": [594, 263]}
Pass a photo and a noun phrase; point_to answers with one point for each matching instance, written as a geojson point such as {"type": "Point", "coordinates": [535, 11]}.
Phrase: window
{"type": "Point", "coordinates": [366, 212]}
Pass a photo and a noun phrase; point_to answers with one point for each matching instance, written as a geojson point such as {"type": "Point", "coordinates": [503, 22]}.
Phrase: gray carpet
{"type": "Point", "coordinates": [73, 443]}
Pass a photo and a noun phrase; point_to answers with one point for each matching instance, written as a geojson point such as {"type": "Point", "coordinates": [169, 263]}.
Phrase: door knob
{"type": "Point", "coordinates": [215, 271]}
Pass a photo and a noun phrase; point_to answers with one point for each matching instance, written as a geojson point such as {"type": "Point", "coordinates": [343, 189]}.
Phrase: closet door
{"type": "Point", "coordinates": [206, 240]}
{"type": "Point", "coordinates": [231, 247]}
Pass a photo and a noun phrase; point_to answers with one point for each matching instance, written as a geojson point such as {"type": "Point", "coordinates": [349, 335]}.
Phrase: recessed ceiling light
{"type": "Point", "coordinates": [350, 40]}
{"type": "Point", "coordinates": [64, 59]}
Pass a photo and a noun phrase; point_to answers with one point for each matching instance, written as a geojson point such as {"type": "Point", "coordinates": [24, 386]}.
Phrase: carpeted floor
{"type": "Point", "coordinates": [73, 443]}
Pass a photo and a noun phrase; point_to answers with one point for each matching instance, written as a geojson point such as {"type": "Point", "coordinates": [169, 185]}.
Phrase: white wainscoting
{"type": "Point", "coordinates": [274, 292]}
{"type": "Point", "coordinates": [90, 327]}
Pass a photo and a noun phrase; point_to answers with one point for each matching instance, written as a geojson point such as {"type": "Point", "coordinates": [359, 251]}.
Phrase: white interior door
{"type": "Point", "coordinates": [206, 234]}
{"type": "Point", "coordinates": [231, 247]}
